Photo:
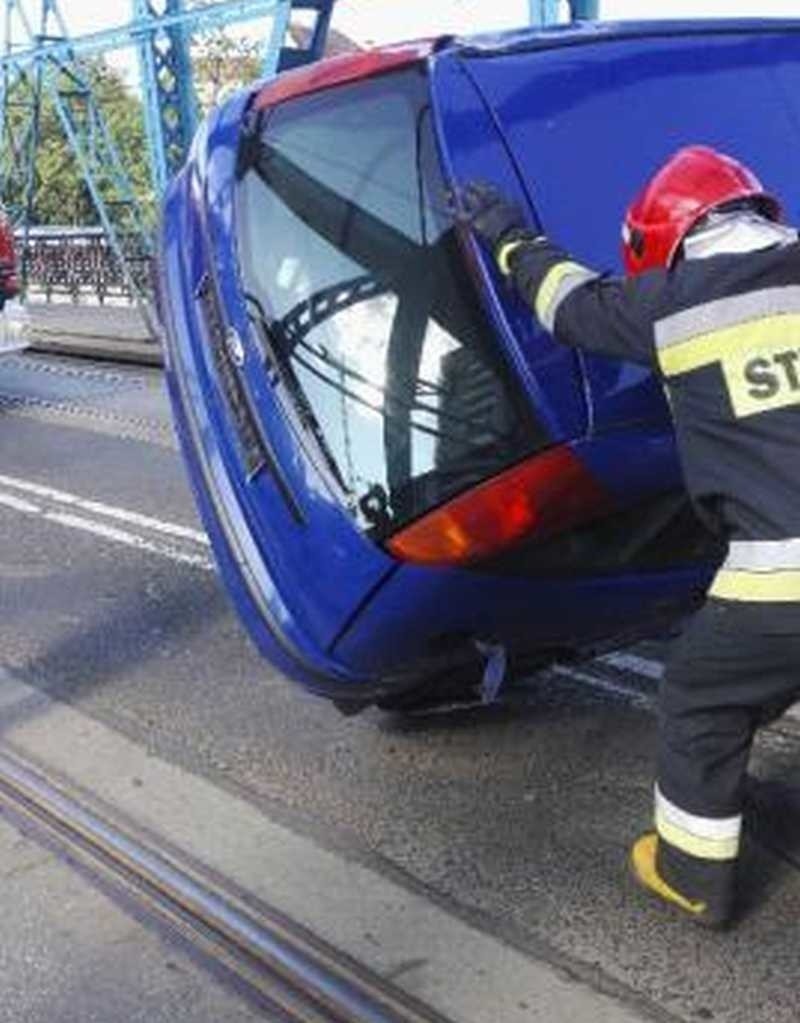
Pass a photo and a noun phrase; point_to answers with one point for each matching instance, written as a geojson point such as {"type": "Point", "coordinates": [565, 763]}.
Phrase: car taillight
{"type": "Point", "coordinates": [546, 494]}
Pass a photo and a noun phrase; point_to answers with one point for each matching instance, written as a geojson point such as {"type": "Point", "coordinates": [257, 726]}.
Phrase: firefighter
{"type": "Point", "coordinates": [711, 301]}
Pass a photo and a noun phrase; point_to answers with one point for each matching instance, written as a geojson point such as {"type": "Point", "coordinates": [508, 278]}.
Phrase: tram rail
{"type": "Point", "coordinates": [291, 974]}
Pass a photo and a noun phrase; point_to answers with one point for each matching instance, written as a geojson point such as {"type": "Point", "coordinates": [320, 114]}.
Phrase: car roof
{"type": "Point", "coordinates": [589, 112]}
{"type": "Point", "coordinates": [586, 32]}
{"type": "Point", "coordinates": [351, 67]}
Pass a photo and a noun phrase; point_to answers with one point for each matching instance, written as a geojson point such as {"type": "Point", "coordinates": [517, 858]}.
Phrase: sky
{"type": "Point", "coordinates": [379, 21]}
{"type": "Point", "coordinates": [387, 19]}
{"type": "Point", "coordinates": [400, 17]}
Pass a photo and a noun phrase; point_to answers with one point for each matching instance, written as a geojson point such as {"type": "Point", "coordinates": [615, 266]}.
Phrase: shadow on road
{"type": "Point", "coordinates": [113, 633]}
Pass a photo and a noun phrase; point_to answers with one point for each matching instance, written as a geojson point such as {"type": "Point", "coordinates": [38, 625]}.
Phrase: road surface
{"type": "Point", "coordinates": [512, 820]}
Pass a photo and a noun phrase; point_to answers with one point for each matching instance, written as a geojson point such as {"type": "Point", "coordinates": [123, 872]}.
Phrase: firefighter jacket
{"type": "Point", "coordinates": [723, 334]}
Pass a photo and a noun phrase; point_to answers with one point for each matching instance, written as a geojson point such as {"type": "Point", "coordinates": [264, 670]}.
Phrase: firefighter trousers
{"type": "Point", "coordinates": [735, 668]}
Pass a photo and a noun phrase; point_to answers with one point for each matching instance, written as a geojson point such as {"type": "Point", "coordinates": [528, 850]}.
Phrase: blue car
{"type": "Point", "coordinates": [409, 486]}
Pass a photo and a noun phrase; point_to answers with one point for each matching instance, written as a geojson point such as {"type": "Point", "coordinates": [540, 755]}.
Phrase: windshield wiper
{"type": "Point", "coordinates": [280, 371]}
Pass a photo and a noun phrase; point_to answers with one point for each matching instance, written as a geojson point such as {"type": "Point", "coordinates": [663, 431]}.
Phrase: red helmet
{"type": "Point", "coordinates": [694, 181]}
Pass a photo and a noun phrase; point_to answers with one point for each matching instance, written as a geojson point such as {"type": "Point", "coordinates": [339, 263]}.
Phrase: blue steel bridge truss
{"type": "Point", "coordinates": [41, 59]}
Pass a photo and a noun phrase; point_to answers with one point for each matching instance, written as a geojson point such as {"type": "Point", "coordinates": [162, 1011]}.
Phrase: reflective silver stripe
{"type": "Point", "coordinates": [506, 252]}
{"type": "Point", "coordinates": [726, 312]}
{"type": "Point", "coordinates": [763, 555]}
{"type": "Point", "coordinates": [708, 838]}
{"type": "Point", "coordinates": [558, 283]}
{"type": "Point", "coordinates": [765, 571]}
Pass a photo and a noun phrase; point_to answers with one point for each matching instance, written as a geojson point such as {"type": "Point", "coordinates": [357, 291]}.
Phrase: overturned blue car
{"type": "Point", "coordinates": [401, 473]}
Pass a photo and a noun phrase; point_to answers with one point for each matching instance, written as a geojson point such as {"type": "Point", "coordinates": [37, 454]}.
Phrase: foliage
{"type": "Point", "coordinates": [60, 194]}
{"type": "Point", "coordinates": [223, 62]}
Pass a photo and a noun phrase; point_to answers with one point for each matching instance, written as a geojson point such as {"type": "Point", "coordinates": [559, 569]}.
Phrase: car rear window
{"type": "Point", "coordinates": [354, 274]}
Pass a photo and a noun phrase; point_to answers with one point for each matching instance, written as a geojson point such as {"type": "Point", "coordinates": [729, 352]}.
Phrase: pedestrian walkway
{"type": "Point", "coordinates": [393, 929]}
{"type": "Point", "coordinates": [103, 332]}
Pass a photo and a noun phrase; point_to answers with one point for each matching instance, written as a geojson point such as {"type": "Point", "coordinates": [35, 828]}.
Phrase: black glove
{"type": "Point", "coordinates": [490, 215]}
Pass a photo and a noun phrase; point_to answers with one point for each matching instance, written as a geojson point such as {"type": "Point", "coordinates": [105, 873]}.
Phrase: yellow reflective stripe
{"type": "Point", "coordinates": [505, 252]}
{"type": "Point", "coordinates": [695, 845]}
{"type": "Point", "coordinates": [550, 284]}
{"type": "Point", "coordinates": [735, 584]}
{"type": "Point", "coordinates": [704, 349]}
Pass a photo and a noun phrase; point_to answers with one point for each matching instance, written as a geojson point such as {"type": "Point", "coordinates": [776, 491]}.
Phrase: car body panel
{"type": "Point", "coordinates": [318, 593]}
{"type": "Point", "coordinates": [472, 148]}
{"type": "Point", "coordinates": [340, 567]}
{"type": "Point", "coordinates": [592, 117]}
{"type": "Point", "coordinates": [458, 612]}
{"type": "Point", "coordinates": [265, 608]}
{"type": "Point", "coordinates": [340, 70]}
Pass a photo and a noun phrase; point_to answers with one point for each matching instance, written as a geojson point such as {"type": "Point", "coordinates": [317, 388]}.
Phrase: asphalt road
{"type": "Point", "coordinates": [516, 816]}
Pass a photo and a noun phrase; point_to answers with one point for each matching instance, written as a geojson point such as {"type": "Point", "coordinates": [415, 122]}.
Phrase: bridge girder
{"type": "Point", "coordinates": [170, 105]}
{"type": "Point", "coordinates": [545, 12]}
{"type": "Point", "coordinates": [40, 59]}
{"type": "Point", "coordinates": [43, 59]}
{"type": "Point", "coordinates": [160, 30]}
{"type": "Point", "coordinates": [63, 78]}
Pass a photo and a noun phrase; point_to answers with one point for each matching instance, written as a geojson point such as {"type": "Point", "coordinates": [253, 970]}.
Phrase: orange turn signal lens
{"type": "Point", "coordinates": [544, 495]}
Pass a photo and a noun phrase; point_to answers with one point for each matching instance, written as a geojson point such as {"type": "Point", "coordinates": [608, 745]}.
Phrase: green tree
{"type": "Point", "coordinates": [60, 193]}
{"type": "Point", "coordinates": [223, 62]}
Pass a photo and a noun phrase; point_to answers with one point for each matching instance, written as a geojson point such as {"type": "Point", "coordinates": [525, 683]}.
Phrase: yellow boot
{"type": "Point", "coordinates": [713, 911]}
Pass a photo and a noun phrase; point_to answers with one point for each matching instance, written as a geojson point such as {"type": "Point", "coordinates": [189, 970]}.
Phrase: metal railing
{"type": "Point", "coordinates": [80, 265]}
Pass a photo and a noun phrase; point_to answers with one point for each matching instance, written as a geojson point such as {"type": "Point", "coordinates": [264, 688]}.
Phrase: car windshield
{"type": "Point", "coordinates": [355, 275]}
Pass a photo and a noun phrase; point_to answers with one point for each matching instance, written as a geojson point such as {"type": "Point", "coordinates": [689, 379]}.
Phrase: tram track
{"type": "Point", "coordinates": [292, 975]}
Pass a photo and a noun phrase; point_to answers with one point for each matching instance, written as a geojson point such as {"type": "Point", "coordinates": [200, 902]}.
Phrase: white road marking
{"type": "Point", "coordinates": [642, 666]}
{"type": "Point", "coordinates": [605, 685]}
{"type": "Point", "coordinates": [129, 539]}
{"type": "Point", "coordinates": [108, 510]}
{"type": "Point", "coordinates": [18, 504]}
{"type": "Point", "coordinates": [71, 503]}
{"type": "Point", "coordinates": [145, 521]}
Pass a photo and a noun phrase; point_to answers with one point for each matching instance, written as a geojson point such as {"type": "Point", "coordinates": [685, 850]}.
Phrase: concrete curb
{"type": "Point", "coordinates": [141, 353]}
{"type": "Point", "coordinates": [106, 333]}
